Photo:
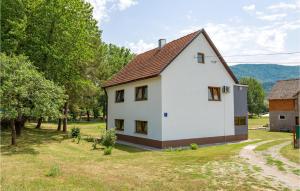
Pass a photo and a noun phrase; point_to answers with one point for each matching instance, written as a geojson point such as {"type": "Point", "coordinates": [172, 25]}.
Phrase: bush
{"type": "Point", "coordinates": [194, 146]}
{"type": "Point", "coordinates": [108, 138]}
{"type": "Point", "coordinates": [78, 139]}
{"type": "Point", "coordinates": [75, 132]}
{"type": "Point", "coordinates": [54, 171]}
{"type": "Point", "coordinates": [96, 142]}
{"type": "Point", "coordinates": [107, 150]}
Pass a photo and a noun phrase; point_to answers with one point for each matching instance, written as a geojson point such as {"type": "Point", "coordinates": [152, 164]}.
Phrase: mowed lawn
{"type": "Point", "coordinates": [218, 167]}
{"type": "Point", "coordinates": [256, 122]}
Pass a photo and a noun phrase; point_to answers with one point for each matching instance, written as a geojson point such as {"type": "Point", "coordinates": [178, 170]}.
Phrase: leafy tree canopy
{"type": "Point", "coordinates": [25, 92]}
{"type": "Point", "coordinates": [255, 95]}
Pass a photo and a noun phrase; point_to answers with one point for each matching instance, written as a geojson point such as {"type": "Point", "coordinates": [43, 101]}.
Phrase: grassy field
{"type": "Point", "coordinates": [48, 160]}
{"type": "Point", "coordinates": [290, 153]}
{"type": "Point", "coordinates": [256, 122]}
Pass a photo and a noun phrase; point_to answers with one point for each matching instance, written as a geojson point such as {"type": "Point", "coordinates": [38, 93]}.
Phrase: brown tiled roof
{"type": "Point", "coordinates": [285, 89]}
{"type": "Point", "coordinates": [153, 62]}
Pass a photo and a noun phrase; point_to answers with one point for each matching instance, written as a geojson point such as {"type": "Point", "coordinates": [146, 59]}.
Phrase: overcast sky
{"type": "Point", "coordinates": [236, 27]}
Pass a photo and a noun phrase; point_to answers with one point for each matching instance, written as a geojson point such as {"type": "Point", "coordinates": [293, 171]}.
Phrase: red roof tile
{"type": "Point", "coordinates": [153, 62]}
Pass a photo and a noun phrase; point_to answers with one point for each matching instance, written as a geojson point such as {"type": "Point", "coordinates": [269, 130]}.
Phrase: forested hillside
{"type": "Point", "coordinates": [267, 74]}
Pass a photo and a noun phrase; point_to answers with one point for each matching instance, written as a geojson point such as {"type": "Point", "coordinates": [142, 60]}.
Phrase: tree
{"type": "Point", "coordinates": [26, 93]}
{"type": "Point", "coordinates": [59, 37]}
{"type": "Point", "coordinates": [255, 95]}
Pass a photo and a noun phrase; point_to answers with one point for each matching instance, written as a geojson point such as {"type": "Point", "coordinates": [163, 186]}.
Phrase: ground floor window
{"type": "Point", "coordinates": [281, 117]}
{"type": "Point", "coordinates": [141, 127]}
{"type": "Point", "coordinates": [119, 124]}
{"type": "Point", "coordinates": [240, 120]}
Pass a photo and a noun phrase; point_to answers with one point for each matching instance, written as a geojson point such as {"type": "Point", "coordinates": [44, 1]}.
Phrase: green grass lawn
{"type": "Point", "coordinates": [268, 145]}
{"type": "Point", "coordinates": [48, 160]}
{"type": "Point", "coordinates": [292, 154]}
{"type": "Point", "coordinates": [256, 122]}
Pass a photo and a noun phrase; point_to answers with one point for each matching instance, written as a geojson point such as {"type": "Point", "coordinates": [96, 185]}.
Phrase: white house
{"type": "Point", "coordinates": [179, 93]}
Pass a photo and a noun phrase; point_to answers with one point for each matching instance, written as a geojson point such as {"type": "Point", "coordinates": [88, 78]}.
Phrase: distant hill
{"type": "Point", "coordinates": [267, 74]}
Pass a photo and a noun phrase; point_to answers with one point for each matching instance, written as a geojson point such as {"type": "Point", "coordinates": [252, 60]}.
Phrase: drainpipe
{"type": "Point", "coordinates": [106, 108]}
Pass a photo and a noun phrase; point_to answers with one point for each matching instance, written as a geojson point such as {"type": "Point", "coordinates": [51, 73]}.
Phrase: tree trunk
{"type": "Point", "coordinates": [59, 125]}
{"type": "Point", "coordinates": [88, 115]}
{"type": "Point", "coordinates": [65, 117]}
{"type": "Point", "coordinates": [18, 127]}
{"type": "Point", "coordinates": [39, 123]}
{"type": "Point", "coordinates": [13, 133]}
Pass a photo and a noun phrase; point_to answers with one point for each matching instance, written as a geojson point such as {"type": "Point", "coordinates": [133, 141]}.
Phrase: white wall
{"type": "Point", "coordinates": [131, 110]}
{"type": "Point", "coordinates": [185, 96]}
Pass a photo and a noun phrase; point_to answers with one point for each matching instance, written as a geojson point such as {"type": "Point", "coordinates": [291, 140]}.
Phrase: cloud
{"type": "Point", "coordinates": [272, 17]}
{"type": "Point", "coordinates": [102, 8]}
{"type": "Point", "coordinates": [249, 7]}
{"type": "Point", "coordinates": [282, 5]}
{"type": "Point", "coordinates": [124, 4]}
{"type": "Point", "coordinates": [237, 39]}
{"type": "Point", "coordinates": [140, 46]}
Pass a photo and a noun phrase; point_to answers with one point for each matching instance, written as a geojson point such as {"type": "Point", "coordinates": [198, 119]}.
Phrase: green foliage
{"type": "Point", "coordinates": [107, 150]}
{"type": "Point", "coordinates": [108, 138]}
{"type": "Point", "coordinates": [54, 171]}
{"type": "Point", "coordinates": [25, 92]}
{"type": "Point", "coordinates": [194, 146]}
{"type": "Point", "coordinates": [75, 132]}
{"type": "Point", "coordinates": [78, 139]}
{"type": "Point", "coordinates": [255, 95]}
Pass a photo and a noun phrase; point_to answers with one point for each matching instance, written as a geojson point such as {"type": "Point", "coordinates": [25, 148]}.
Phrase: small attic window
{"type": "Point", "coordinates": [200, 58]}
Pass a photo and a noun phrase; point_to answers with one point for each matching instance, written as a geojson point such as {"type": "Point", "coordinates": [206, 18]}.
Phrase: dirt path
{"type": "Point", "coordinates": [275, 153]}
{"type": "Point", "coordinates": [289, 180]}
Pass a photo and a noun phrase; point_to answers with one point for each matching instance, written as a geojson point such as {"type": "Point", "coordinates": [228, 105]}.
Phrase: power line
{"type": "Point", "coordinates": [263, 62]}
{"type": "Point", "coordinates": [262, 54]}
{"type": "Point", "coordinates": [265, 54]}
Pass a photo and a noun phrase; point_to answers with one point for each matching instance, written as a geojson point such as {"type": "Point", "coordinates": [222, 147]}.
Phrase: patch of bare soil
{"type": "Point", "coordinates": [287, 178]}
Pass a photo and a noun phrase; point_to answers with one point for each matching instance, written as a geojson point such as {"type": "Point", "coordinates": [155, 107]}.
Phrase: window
{"type": "Point", "coordinates": [119, 96]}
{"type": "Point", "coordinates": [119, 124]}
{"type": "Point", "coordinates": [200, 57]}
{"type": "Point", "coordinates": [141, 127]}
{"type": "Point", "coordinates": [281, 117]}
{"type": "Point", "coordinates": [214, 94]}
{"type": "Point", "coordinates": [240, 120]}
{"type": "Point", "coordinates": [141, 93]}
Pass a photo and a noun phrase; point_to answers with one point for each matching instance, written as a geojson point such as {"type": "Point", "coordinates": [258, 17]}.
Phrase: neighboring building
{"type": "Point", "coordinates": [179, 93]}
{"type": "Point", "coordinates": [284, 103]}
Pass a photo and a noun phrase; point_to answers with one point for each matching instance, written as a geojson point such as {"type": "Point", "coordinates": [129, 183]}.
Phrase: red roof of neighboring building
{"type": "Point", "coordinates": [153, 62]}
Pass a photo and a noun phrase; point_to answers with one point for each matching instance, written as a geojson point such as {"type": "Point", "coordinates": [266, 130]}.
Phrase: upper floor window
{"type": "Point", "coordinates": [141, 127]}
{"type": "Point", "coordinates": [141, 93]}
{"type": "Point", "coordinates": [200, 58]}
{"type": "Point", "coordinates": [119, 96]}
{"type": "Point", "coordinates": [119, 124]}
{"type": "Point", "coordinates": [214, 94]}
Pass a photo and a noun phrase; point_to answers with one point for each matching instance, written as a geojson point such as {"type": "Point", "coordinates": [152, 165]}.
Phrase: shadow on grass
{"type": "Point", "coordinates": [28, 140]}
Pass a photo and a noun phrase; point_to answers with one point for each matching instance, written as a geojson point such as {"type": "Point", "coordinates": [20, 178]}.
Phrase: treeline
{"type": "Point", "coordinates": [53, 62]}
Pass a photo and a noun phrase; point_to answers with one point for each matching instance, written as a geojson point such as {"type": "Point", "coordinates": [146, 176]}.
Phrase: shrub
{"type": "Point", "coordinates": [194, 146]}
{"type": "Point", "coordinates": [75, 132]}
{"type": "Point", "coordinates": [108, 138]}
{"type": "Point", "coordinates": [96, 142]}
{"type": "Point", "coordinates": [78, 138]}
{"type": "Point", "coordinates": [54, 171]}
{"type": "Point", "coordinates": [107, 150]}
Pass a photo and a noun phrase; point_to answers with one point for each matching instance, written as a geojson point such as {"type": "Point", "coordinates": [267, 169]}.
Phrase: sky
{"type": "Point", "coordinates": [244, 31]}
